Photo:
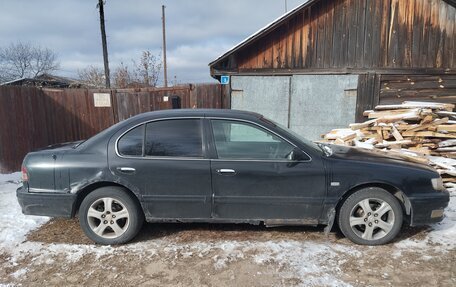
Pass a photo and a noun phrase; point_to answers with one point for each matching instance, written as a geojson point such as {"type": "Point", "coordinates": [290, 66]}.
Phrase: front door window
{"type": "Point", "coordinates": [241, 140]}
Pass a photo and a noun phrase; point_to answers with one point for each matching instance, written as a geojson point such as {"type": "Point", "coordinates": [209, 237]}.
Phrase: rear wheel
{"type": "Point", "coordinates": [371, 216]}
{"type": "Point", "coordinates": [109, 215]}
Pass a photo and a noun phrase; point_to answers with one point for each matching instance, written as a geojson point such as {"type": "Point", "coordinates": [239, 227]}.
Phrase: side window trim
{"type": "Point", "coordinates": [144, 141]}
{"type": "Point", "coordinates": [211, 139]}
{"type": "Point", "coordinates": [124, 134]}
{"type": "Point", "coordinates": [144, 157]}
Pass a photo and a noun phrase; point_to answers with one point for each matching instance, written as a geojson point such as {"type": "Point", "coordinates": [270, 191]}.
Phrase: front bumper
{"type": "Point", "coordinates": [428, 208]}
{"type": "Point", "coordinates": [46, 204]}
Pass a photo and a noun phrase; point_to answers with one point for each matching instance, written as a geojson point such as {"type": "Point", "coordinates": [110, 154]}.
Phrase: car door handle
{"type": "Point", "coordinates": [226, 171]}
{"type": "Point", "coordinates": [128, 170]}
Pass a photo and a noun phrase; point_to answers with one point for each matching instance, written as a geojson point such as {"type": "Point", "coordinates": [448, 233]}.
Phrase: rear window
{"type": "Point", "coordinates": [131, 144]}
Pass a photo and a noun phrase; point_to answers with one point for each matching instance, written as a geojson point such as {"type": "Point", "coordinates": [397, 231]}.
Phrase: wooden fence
{"type": "Point", "coordinates": [32, 118]}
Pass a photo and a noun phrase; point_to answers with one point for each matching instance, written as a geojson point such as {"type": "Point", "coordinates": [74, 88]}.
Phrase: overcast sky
{"type": "Point", "coordinates": [198, 31]}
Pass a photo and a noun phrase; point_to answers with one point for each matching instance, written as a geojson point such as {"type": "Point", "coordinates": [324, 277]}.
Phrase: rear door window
{"type": "Point", "coordinates": [174, 138]}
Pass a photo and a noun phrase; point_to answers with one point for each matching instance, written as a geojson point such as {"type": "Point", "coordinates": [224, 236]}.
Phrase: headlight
{"type": "Point", "coordinates": [437, 183]}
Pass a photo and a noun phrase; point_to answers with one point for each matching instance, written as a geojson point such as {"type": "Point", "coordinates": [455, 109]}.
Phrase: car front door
{"type": "Point", "coordinates": [254, 177]}
{"type": "Point", "coordinates": [166, 161]}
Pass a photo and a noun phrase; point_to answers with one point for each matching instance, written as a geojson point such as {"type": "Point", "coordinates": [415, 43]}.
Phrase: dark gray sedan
{"type": "Point", "coordinates": [225, 166]}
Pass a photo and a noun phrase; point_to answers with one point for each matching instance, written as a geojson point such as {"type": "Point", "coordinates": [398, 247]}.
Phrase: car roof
{"type": "Point", "coordinates": [168, 114]}
{"type": "Point", "coordinates": [197, 113]}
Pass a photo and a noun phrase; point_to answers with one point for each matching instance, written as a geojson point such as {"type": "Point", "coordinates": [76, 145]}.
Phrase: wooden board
{"type": "Point", "coordinates": [352, 34]}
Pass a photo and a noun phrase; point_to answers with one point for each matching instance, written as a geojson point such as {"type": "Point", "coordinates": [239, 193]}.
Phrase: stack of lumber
{"type": "Point", "coordinates": [418, 131]}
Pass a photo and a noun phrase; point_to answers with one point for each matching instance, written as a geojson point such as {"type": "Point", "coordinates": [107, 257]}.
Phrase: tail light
{"type": "Point", "coordinates": [24, 173]}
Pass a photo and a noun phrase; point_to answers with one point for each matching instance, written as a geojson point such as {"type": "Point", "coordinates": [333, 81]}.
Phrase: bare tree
{"type": "Point", "coordinates": [92, 76]}
{"type": "Point", "coordinates": [147, 71]}
{"type": "Point", "coordinates": [20, 60]}
{"type": "Point", "coordinates": [144, 73]}
{"type": "Point", "coordinates": [122, 76]}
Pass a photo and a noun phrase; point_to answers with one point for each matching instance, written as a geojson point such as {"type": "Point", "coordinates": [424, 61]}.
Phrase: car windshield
{"type": "Point", "coordinates": [315, 146]}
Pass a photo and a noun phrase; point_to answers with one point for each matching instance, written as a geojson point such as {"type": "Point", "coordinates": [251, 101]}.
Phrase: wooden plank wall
{"type": "Point", "coordinates": [32, 118]}
{"type": "Point", "coordinates": [429, 88]}
{"type": "Point", "coordinates": [375, 89]}
{"type": "Point", "coordinates": [358, 34]}
{"type": "Point", "coordinates": [133, 102]}
{"type": "Point", "coordinates": [367, 94]}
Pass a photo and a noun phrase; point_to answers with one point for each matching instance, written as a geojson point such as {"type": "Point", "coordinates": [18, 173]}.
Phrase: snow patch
{"type": "Point", "coordinates": [19, 273]}
{"type": "Point", "coordinates": [13, 224]}
{"type": "Point", "coordinates": [315, 263]}
{"type": "Point", "coordinates": [444, 233]}
{"type": "Point", "coordinates": [10, 177]}
{"type": "Point", "coordinates": [441, 236]}
{"type": "Point", "coordinates": [231, 251]}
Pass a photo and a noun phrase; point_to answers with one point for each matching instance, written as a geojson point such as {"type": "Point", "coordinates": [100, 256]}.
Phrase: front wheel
{"type": "Point", "coordinates": [109, 215]}
{"type": "Point", "coordinates": [371, 216]}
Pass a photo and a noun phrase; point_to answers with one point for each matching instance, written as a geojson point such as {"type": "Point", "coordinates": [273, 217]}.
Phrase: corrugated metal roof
{"type": "Point", "coordinates": [13, 81]}
{"type": "Point", "coordinates": [44, 78]}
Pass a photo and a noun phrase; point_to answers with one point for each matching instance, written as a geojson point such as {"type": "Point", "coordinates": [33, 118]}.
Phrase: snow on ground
{"type": "Point", "coordinates": [442, 236]}
{"type": "Point", "coordinates": [13, 224]}
{"type": "Point", "coordinates": [317, 262]}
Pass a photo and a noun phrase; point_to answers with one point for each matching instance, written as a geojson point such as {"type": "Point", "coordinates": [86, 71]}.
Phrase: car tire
{"type": "Point", "coordinates": [370, 216]}
{"type": "Point", "coordinates": [110, 216]}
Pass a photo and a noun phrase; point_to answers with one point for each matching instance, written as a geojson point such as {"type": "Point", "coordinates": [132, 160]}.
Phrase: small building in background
{"type": "Point", "coordinates": [321, 65]}
{"type": "Point", "coordinates": [46, 81]}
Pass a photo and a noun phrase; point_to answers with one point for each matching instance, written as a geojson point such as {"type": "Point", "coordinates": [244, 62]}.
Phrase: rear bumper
{"type": "Point", "coordinates": [428, 208]}
{"type": "Point", "coordinates": [46, 204]}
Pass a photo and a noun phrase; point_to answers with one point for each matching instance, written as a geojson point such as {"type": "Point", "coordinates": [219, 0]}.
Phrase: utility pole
{"type": "Point", "coordinates": [165, 69]}
{"type": "Point", "coordinates": [104, 44]}
{"type": "Point", "coordinates": [286, 6]}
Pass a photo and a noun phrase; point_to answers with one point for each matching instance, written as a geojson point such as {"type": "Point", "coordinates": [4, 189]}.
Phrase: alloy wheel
{"type": "Point", "coordinates": [108, 217]}
{"type": "Point", "coordinates": [372, 219]}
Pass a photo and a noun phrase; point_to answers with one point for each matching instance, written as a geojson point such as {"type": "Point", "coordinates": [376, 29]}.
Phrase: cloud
{"type": "Point", "coordinates": [197, 31]}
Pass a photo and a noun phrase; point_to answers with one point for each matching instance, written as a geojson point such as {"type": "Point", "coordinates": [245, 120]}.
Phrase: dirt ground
{"type": "Point", "coordinates": [223, 255]}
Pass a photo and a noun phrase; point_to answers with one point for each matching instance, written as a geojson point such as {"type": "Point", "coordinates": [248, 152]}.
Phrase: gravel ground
{"type": "Point", "coordinates": [225, 255]}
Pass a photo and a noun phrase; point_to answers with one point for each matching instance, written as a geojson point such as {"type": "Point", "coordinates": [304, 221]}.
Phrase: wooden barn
{"type": "Point", "coordinates": [322, 64]}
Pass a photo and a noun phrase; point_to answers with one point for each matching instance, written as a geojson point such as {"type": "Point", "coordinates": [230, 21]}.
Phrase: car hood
{"type": "Point", "coordinates": [372, 156]}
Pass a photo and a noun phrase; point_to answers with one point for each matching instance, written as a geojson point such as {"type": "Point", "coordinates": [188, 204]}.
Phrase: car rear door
{"type": "Point", "coordinates": [252, 178]}
{"type": "Point", "coordinates": [166, 161]}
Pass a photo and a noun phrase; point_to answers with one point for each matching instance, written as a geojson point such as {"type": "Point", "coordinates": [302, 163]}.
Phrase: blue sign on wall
{"type": "Point", "coordinates": [224, 80]}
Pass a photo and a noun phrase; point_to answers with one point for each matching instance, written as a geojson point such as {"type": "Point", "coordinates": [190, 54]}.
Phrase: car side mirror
{"type": "Point", "coordinates": [296, 155]}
